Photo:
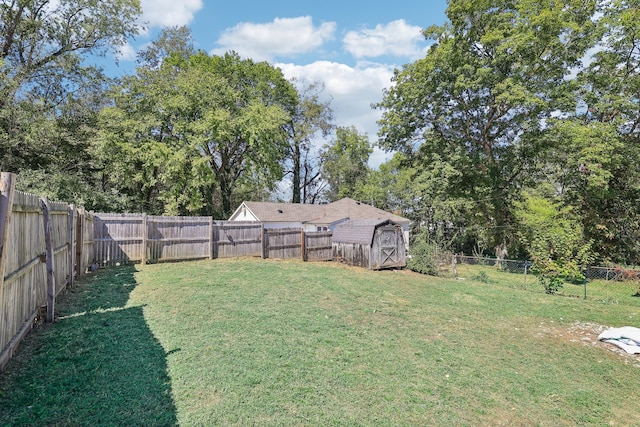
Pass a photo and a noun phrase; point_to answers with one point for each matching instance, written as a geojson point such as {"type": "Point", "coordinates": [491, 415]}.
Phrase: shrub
{"type": "Point", "coordinates": [553, 273]}
{"type": "Point", "coordinates": [482, 277]}
{"type": "Point", "coordinates": [426, 257]}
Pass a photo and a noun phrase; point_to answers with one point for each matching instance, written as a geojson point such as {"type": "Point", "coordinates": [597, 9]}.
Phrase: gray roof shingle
{"type": "Point", "coordinates": [357, 231]}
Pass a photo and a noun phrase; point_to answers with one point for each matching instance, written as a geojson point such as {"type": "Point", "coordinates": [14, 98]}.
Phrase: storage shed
{"type": "Point", "coordinates": [373, 244]}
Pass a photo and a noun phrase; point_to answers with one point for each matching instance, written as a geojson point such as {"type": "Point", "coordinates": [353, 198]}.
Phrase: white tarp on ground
{"type": "Point", "coordinates": [627, 338]}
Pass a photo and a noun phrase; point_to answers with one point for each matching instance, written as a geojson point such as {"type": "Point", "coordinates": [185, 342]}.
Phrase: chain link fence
{"type": "Point", "coordinates": [614, 285]}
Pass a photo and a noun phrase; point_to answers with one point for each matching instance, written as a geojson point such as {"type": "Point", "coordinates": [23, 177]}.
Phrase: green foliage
{"type": "Point", "coordinates": [427, 256]}
{"type": "Point", "coordinates": [477, 103]}
{"type": "Point", "coordinates": [422, 259]}
{"type": "Point", "coordinates": [310, 117]}
{"type": "Point", "coordinates": [553, 236]}
{"type": "Point", "coordinates": [344, 163]}
{"type": "Point", "coordinates": [194, 134]}
{"type": "Point", "coordinates": [42, 44]}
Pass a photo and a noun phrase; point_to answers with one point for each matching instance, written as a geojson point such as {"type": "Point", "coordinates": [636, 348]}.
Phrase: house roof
{"type": "Point", "coordinates": [318, 214]}
{"type": "Point", "coordinates": [357, 231]}
{"type": "Point", "coordinates": [283, 212]}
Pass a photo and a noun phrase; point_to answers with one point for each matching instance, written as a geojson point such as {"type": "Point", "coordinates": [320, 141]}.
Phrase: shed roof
{"type": "Point", "coordinates": [357, 231]}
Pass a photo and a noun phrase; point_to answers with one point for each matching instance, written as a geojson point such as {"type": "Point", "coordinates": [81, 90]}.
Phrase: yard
{"type": "Point", "coordinates": [264, 342]}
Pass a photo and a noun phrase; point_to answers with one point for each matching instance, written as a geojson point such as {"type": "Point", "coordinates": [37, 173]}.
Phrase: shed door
{"type": "Point", "coordinates": [388, 241]}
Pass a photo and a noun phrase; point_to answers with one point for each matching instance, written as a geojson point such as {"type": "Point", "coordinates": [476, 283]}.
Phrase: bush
{"type": "Point", "coordinates": [425, 258]}
{"type": "Point", "coordinates": [552, 274]}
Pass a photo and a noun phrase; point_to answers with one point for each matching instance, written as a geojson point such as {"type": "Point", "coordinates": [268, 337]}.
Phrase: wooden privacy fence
{"type": "Point", "coordinates": [127, 238]}
{"type": "Point", "coordinates": [43, 246]}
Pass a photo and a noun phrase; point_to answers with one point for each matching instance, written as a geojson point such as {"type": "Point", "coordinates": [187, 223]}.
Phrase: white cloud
{"type": "Point", "coordinates": [126, 53]}
{"type": "Point", "coordinates": [395, 38]}
{"type": "Point", "coordinates": [160, 13]}
{"type": "Point", "coordinates": [282, 37]}
{"type": "Point", "coordinates": [352, 90]}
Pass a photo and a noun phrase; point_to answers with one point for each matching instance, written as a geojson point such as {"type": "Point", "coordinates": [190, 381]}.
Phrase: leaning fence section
{"type": "Point", "coordinates": [43, 246]}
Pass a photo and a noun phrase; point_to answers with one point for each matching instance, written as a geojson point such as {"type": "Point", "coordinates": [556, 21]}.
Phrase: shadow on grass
{"type": "Point", "coordinates": [99, 364]}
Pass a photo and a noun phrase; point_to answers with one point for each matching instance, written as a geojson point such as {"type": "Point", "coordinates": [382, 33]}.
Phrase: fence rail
{"type": "Point", "coordinates": [43, 246]}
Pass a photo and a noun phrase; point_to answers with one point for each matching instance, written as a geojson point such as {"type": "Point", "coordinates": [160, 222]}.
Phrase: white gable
{"type": "Point", "coordinates": [243, 213]}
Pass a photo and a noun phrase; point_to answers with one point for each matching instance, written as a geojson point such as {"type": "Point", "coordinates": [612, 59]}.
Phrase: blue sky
{"type": "Point", "coordinates": [352, 46]}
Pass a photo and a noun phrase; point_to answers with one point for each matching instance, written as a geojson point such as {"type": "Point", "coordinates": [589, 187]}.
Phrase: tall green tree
{"type": "Point", "coordinates": [596, 146]}
{"type": "Point", "coordinates": [311, 117]}
{"type": "Point", "coordinates": [42, 47]}
{"type": "Point", "coordinates": [479, 99]}
{"type": "Point", "coordinates": [344, 163]}
{"type": "Point", "coordinates": [198, 134]}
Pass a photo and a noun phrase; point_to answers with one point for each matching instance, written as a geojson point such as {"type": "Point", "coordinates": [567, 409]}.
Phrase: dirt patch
{"type": "Point", "coordinates": [585, 333]}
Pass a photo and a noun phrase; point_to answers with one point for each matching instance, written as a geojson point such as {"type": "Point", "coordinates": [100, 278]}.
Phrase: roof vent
{"type": "Point", "coordinates": [279, 210]}
{"type": "Point", "coordinates": [357, 203]}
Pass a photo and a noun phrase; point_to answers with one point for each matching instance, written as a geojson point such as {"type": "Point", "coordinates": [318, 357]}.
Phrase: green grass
{"type": "Point", "coordinates": [612, 292]}
{"type": "Point", "coordinates": [266, 342]}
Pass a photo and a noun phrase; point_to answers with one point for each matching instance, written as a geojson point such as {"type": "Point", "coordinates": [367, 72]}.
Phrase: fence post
{"type": "Point", "coordinates": [7, 190]}
{"type": "Point", "coordinates": [454, 270]}
{"type": "Point", "coordinates": [265, 240]}
{"type": "Point", "coordinates": [51, 277]}
{"type": "Point", "coordinates": [70, 243]}
{"type": "Point", "coordinates": [524, 286]}
{"type": "Point", "coordinates": [144, 238]}
{"type": "Point", "coordinates": [303, 245]}
{"type": "Point", "coordinates": [80, 242]}
{"type": "Point", "coordinates": [585, 284]}
{"type": "Point", "coordinates": [211, 238]}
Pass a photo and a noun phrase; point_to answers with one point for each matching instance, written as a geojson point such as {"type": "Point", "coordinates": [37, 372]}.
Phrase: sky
{"type": "Point", "coordinates": [351, 46]}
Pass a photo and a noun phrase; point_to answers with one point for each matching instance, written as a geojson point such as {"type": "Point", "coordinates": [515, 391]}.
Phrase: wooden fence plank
{"type": "Point", "coordinates": [71, 241]}
{"type": "Point", "coordinates": [51, 278]}
{"type": "Point", "coordinates": [145, 231]}
{"type": "Point", "coordinates": [7, 191]}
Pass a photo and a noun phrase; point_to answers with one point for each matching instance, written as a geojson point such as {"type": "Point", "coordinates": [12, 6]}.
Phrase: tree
{"type": "Point", "coordinates": [197, 134]}
{"type": "Point", "coordinates": [310, 117]}
{"type": "Point", "coordinates": [597, 143]}
{"type": "Point", "coordinates": [344, 162]}
{"type": "Point", "coordinates": [42, 44]}
{"type": "Point", "coordinates": [478, 101]}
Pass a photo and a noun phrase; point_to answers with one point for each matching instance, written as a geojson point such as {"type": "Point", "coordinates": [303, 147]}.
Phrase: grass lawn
{"type": "Point", "coordinates": [266, 342]}
{"type": "Point", "coordinates": [612, 292]}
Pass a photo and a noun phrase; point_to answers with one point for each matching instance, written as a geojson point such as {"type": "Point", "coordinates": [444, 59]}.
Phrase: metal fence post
{"type": "Point", "coordinates": [585, 285]}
